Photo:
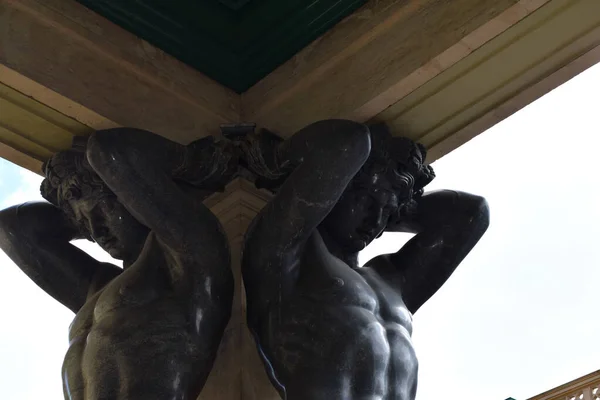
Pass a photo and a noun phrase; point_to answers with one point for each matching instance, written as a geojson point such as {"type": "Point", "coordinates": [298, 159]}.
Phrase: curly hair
{"type": "Point", "coordinates": [69, 176]}
{"type": "Point", "coordinates": [390, 157]}
{"type": "Point", "coordinates": [394, 157]}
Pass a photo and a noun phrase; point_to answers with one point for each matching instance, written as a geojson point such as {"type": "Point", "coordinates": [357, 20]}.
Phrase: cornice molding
{"type": "Point", "coordinates": [48, 97]}
{"type": "Point", "coordinates": [376, 57]}
{"type": "Point", "coordinates": [571, 389]}
{"type": "Point", "coordinates": [30, 131]}
{"type": "Point", "coordinates": [529, 59]}
{"type": "Point", "coordinates": [485, 66]}
{"type": "Point", "coordinates": [71, 50]}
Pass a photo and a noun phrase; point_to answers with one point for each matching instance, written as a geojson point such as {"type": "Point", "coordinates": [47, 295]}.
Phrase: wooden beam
{"type": "Point", "coordinates": [491, 72]}
{"type": "Point", "coordinates": [62, 104]}
{"type": "Point", "coordinates": [438, 71]}
{"type": "Point", "coordinates": [30, 132]}
{"type": "Point", "coordinates": [21, 159]}
{"type": "Point", "coordinates": [375, 57]}
{"type": "Point", "coordinates": [76, 53]}
{"type": "Point", "coordinates": [526, 96]}
{"type": "Point", "coordinates": [531, 58]}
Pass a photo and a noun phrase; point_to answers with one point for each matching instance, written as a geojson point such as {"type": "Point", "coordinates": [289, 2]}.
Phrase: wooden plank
{"type": "Point", "coordinates": [72, 51]}
{"type": "Point", "coordinates": [359, 68]}
{"type": "Point", "coordinates": [60, 103]}
{"type": "Point", "coordinates": [521, 53]}
{"type": "Point", "coordinates": [21, 159]}
{"type": "Point", "coordinates": [30, 131]}
{"type": "Point", "coordinates": [448, 110]}
{"type": "Point", "coordinates": [525, 96]}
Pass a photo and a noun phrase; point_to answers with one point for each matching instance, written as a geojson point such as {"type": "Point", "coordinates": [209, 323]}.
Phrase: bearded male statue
{"type": "Point", "coordinates": [326, 328]}
{"type": "Point", "coordinates": [151, 329]}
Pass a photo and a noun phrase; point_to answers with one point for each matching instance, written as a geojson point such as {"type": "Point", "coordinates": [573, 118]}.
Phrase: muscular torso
{"type": "Point", "coordinates": [138, 337]}
{"type": "Point", "coordinates": [342, 334]}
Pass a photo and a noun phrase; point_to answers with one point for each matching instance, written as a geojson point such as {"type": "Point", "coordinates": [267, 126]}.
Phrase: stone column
{"type": "Point", "coordinates": [238, 372]}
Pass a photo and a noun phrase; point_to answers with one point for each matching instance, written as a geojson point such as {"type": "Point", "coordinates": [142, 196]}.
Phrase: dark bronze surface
{"type": "Point", "coordinates": [152, 329]}
{"type": "Point", "coordinates": [325, 327]}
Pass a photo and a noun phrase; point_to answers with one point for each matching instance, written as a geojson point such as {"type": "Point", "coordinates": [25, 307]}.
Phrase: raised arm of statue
{"type": "Point", "coordinates": [141, 168]}
{"type": "Point", "coordinates": [36, 237]}
{"type": "Point", "coordinates": [324, 157]}
{"type": "Point", "coordinates": [326, 327]}
{"type": "Point", "coordinates": [448, 224]}
{"type": "Point", "coordinates": [153, 328]}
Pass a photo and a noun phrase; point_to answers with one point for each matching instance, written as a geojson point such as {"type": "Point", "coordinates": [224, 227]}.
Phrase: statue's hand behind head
{"type": "Point", "coordinates": [209, 165]}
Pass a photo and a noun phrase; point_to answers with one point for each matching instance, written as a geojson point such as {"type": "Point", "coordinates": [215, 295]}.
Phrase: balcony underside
{"type": "Point", "coordinates": [439, 72]}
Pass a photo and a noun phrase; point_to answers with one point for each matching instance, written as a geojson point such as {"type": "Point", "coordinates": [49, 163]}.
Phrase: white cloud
{"type": "Point", "coordinates": [28, 189]}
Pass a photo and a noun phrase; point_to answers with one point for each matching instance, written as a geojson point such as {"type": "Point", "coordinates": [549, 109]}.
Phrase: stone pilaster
{"type": "Point", "coordinates": [238, 372]}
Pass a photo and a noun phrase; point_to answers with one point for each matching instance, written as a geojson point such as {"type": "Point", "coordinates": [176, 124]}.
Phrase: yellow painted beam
{"type": "Point", "coordinates": [60, 103]}
{"type": "Point", "coordinates": [512, 67]}
{"type": "Point", "coordinates": [427, 69]}
{"type": "Point", "coordinates": [375, 57]}
{"type": "Point", "coordinates": [20, 158]}
{"type": "Point", "coordinates": [33, 129]}
{"type": "Point", "coordinates": [74, 52]}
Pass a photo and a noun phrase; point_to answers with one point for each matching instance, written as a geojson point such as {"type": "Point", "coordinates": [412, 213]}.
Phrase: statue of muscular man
{"type": "Point", "coordinates": [150, 330]}
{"type": "Point", "coordinates": [326, 328]}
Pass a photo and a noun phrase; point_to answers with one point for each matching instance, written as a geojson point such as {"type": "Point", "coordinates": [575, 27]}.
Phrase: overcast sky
{"type": "Point", "coordinates": [519, 316]}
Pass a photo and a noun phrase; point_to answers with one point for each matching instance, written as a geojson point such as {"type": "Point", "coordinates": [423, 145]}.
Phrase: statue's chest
{"type": "Point", "coordinates": [143, 283]}
{"type": "Point", "coordinates": [122, 294]}
{"type": "Point", "coordinates": [326, 278]}
{"type": "Point", "coordinates": [84, 319]}
{"type": "Point", "coordinates": [391, 304]}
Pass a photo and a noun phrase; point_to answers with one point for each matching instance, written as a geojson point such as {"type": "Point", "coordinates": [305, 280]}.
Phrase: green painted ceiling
{"type": "Point", "coordinates": [235, 42]}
